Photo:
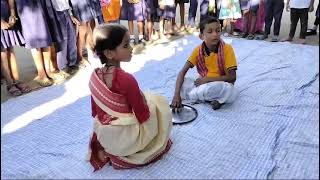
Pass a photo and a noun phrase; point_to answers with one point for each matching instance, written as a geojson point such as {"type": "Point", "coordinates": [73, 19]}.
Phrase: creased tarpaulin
{"type": "Point", "coordinates": [270, 131]}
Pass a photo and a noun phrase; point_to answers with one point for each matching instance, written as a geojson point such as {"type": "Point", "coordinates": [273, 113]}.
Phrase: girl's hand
{"type": "Point", "coordinates": [176, 103]}
{"type": "Point", "coordinates": [4, 25]}
{"type": "Point", "coordinates": [200, 81]}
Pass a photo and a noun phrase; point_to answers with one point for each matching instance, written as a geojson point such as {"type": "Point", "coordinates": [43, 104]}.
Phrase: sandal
{"type": "Point", "coordinates": [24, 88]}
{"type": "Point", "coordinates": [13, 90]}
{"type": "Point", "coordinates": [250, 37]}
{"type": "Point", "coordinates": [83, 64]}
{"type": "Point", "coordinates": [43, 82]}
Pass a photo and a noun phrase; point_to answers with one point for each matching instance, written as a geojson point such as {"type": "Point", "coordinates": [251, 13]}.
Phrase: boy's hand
{"type": "Point", "coordinates": [200, 81]}
{"type": "Point", "coordinates": [311, 8]}
{"type": "Point", "coordinates": [287, 7]}
{"type": "Point", "coordinates": [75, 21]}
{"type": "Point", "coordinates": [176, 103]}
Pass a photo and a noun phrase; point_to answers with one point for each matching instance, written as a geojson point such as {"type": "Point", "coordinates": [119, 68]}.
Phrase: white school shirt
{"type": "Point", "coordinates": [300, 4]}
{"type": "Point", "coordinates": [60, 5]}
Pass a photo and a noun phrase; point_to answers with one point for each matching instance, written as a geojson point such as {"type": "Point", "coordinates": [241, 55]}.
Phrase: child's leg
{"type": "Point", "coordinates": [161, 27]}
{"type": "Point", "coordinates": [192, 12]}
{"type": "Point", "coordinates": [5, 70]}
{"type": "Point", "coordinates": [304, 24]}
{"type": "Point", "coordinates": [130, 28]}
{"type": "Point", "coordinates": [69, 45]}
{"type": "Point", "coordinates": [149, 29]}
{"type": "Point", "coordinates": [182, 26]}
{"type": "Point", "coordinates": [294, 17]}
{"type": "Point", "coordinates": [204, 6]}
{"type": "Point", "coordinates": [269, 9]}
{"type": "Point", "coordinates": [13, 65]}
{"type": "Point", "coordinates": [38, 60]}
{"type": "Point", "coordinates": [47, 59]}
{"type": "Point", "coordinates": [253, 14]}
{"type": "Point", "coordinates": [186, 88]}
{"type": "Point", "coordinates": [141, 31]}
{"type": "Point", "coordinates": [24, 88]}
{"type": "Point", "coordinates": [89, 38]}
{"type": "Point", "coordinates": [278, 10]}
{"type": "Point", "coordinates": [53, 60]}
{"type": "Point", "coordinates": [81, 40]}
{"type": "Point", "coordinates": [174, 24]}
{"type": "Point", "coordinates": [245, 23]}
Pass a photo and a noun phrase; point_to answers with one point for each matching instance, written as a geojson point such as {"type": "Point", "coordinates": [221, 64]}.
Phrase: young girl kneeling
{"type": "Point", "coordinates": [131, 128]}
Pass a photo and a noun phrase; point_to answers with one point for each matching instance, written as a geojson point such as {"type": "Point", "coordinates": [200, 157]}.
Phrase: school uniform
{"type": "Point", "coordinates": [40, 27]}
{"type": "Point", "coordinates": [133, 11]}
{"type": "Point", "coordinates": [86, 10]}
{"type": "Point", "coordinates": [204, 6]}
{"type": "Point", "coordinates": [273, 10]}
{"type": "Point", "coordinates": [67, 48]}
{"type": "Point", "coordinates": [9, 37]}
{"type": "Point", "coordinates": [299, 11]}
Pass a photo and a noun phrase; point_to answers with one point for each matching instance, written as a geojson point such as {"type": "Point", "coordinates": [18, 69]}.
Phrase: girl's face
{"type": "Point", "coordinates": [211, 34]}
{"type": "Point", "coordinates": [124, 51]}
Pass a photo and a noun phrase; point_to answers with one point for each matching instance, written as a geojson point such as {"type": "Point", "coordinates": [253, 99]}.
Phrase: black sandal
{"type": "Point", "coordinates": [250, 37]}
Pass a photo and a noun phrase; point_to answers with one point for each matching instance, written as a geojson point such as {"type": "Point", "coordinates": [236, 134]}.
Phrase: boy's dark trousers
{"type": "Point", "coordinates": [273, 10]}
{"type": "Point", "coordinates": [295, 15]}
{"type": "Point", "coordinates": [67, 48]}
{"type": "Point", "coordinates": [204, 5]}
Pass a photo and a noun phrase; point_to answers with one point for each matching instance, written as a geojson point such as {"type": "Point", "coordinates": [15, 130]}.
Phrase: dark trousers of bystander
{"type": "Point", "coordinates": [295, 16]}
{"type": "Point", "coordinates": [273, 10]}
{"type": "Point", "coordinates": [204, 5]}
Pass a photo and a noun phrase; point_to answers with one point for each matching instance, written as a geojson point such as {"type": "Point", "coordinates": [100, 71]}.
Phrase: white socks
{"type": "Point", "coordinates": [140, 37]}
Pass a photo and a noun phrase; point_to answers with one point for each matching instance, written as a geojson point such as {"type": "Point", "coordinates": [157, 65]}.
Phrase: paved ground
{"type": "Point", "coordinates": [28, 71]}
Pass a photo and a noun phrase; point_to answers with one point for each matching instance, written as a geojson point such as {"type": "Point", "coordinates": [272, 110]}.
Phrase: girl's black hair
{"type": "Point", "coordinates": [107, 37]}
{"type": "Point", "coordinates": [206, 21]}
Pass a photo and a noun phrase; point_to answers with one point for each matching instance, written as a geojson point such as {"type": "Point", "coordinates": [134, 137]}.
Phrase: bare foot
{"type": "Point", "coordinates": [102, 156]}
{"type": "Point", "coordinates": [183, 28]}
{"type": "Point", "coordinates": [288, 39]}
{"type": "Point", "coordinates": [302, 41]}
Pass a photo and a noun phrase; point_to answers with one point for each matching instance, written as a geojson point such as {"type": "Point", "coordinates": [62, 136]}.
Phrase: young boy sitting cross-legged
{"type": "Point", "coordinates": [216, 65]}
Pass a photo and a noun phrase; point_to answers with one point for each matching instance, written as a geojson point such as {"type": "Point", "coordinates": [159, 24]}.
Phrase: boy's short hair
{"type": "Point", "coordinates": [206, 21]}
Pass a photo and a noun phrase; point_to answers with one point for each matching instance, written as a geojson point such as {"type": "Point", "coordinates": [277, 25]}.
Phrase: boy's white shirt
{"type": "Point", "coordinates": [60, 5]}
{"type": "Point", "coordinates": [300, 4]}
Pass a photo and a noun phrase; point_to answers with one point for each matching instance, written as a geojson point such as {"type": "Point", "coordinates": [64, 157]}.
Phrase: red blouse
{"type": "Point", "coordinates": [125, 84]}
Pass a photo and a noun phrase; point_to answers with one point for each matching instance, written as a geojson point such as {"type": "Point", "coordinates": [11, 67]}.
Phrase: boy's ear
{"type": "Point", "coordinates": [201, 36]}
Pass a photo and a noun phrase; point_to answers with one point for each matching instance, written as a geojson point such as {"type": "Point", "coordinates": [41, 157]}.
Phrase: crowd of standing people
{"type": "Point", "coordinates": [59, 32]}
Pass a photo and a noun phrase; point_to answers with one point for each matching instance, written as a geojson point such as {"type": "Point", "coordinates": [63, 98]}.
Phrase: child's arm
{"type": "Point", "coordinates": [230, 78]}
{"type": "Point", "coordinates": [311, 7]}
{"type": "Point", "coordinates": [12, 18]}
{"type": "Point", "coordinates": [176, 101]}
{"type": "Point", "coordinates": [136, 99]}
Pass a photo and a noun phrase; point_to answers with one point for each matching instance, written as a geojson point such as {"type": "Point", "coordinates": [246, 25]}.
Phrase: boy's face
{"type": "Point", "coordinates": [211, 34]}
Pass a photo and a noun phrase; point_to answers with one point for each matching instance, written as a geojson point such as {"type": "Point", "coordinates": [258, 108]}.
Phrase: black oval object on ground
{"type": "Point", "coordinates": [185, 115]}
